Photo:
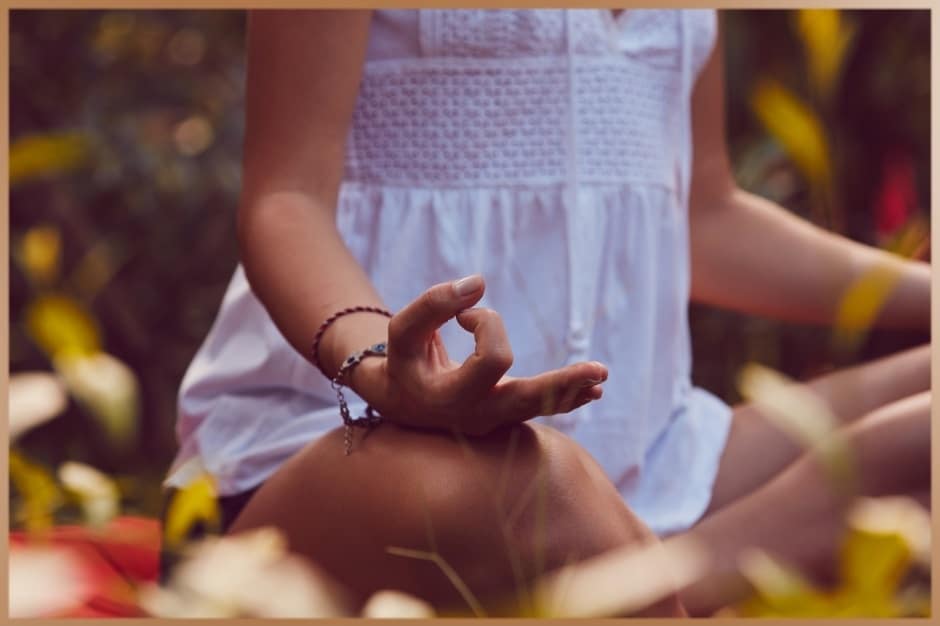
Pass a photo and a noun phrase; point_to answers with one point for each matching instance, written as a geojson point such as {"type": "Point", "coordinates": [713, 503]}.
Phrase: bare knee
{"type": "Point", "coordinates": [409, 510]}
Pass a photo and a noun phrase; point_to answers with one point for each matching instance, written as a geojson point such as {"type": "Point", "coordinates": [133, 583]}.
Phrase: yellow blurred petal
{"type": "Point", "coordinates": [911, 240]}
{"type": "Point", "coordinates": [97, 493]}
{"type": "Point", "coordinates": [38, 490]}
{"type": "Point", "coordinates": [861, 303]}
{"type": "Point", "coordinates": [395, 604]}
{"type": "Point", "coordinates": [40, 253]}
{"type": "Point", "coordinates": [802, 415]}
{"type": "Point", "coordinates": [622, 581]}
{"type": "Point", "coordinates": [873, 563]}
{"type": "Point", "coordinates": [194, 503]}
{"type": "Point", "coordinates": [769, 577]}
{"type": "Point", "coordinates": [107, 389]}
{"type": "Point", "coordinates": [61, 325]}
{"type": "Point", "coordinates": [34, 398]}
{"type": "Point", "coordinates": [826, 37]}
{"type": "Point", "coordinates": [780, 590]}
{"type": "Point", "coordinates": [793, 407]}
{"type": "Point", "coordinates": [34, 156]}
{"type": "Point", "coordinates": [795, 126]}
{"type": "Point", "coordinates": [45, 581]}
{"type": "Point", "coordinates": [896, 515]}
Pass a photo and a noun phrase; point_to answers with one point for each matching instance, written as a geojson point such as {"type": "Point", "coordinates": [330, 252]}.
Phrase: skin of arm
{"type": "Point", "coordinates": [292, 168]}
{"type": "Point", "coordinates": [751, 255]}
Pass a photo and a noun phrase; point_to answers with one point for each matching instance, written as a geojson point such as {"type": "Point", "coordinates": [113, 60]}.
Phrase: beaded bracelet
{"type": "Point", "coordinates": [326, 324]}
{"type": "Point", "coordinates": [371, 418]}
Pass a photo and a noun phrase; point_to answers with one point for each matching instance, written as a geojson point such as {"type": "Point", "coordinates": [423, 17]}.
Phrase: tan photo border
{"type": "Point", "coordinates": [7, 5]}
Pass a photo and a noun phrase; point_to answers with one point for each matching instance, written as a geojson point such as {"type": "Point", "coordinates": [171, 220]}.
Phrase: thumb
{"type": "Point", "coordinates": [418, 320]}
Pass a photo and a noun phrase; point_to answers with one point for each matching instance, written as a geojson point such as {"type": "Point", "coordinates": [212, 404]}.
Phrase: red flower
{"type": "Point", "coordinates": [897, 197]}
{"type": "Point", "coordinates": [114, 559]}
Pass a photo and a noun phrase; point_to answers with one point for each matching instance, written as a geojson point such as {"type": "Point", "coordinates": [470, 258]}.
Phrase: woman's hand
{"type": "Point", "coordinates": [419, 385]}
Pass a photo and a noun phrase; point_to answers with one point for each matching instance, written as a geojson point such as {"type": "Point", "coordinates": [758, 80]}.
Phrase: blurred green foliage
{"type": "Point", "coordinates": [128, 126]}
{"type": "Point", "coordinates": [146, 217]}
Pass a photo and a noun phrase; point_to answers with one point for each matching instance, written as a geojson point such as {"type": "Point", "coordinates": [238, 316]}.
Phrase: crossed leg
{"type": "Point", "coordinates": [769, 495]}
{"type": "Point", "coordinates": [499, 510]}
{"type": "Point", "coordinates": [757, 450]}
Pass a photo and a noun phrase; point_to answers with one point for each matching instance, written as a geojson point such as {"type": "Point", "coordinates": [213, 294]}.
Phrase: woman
{"type": "Point", "coordinates": [549, 153]}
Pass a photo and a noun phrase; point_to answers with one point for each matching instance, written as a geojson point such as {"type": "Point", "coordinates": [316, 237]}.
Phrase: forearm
{"type": "Point", "coordinates": [302, 271]}
{"type": "Point", "coordinates": [751, 255]}
{"type": "Point", "coordinates": [296, 125]}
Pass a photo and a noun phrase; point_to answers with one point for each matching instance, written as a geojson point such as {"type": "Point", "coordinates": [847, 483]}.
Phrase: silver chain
{"type": "Point", "coordinates": [371, 418]}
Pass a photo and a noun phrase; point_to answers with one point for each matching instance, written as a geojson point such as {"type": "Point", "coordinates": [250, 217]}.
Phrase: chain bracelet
{"type": "Point", "coordinates": [371, 418]}
{"type": "Point", "coordinates": [315, 348]}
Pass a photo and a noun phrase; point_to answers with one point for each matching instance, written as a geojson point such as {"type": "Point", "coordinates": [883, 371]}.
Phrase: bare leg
{"type": "Point", "coordinates": [797, 516]}
{"type": "Point", "coordinates": [499, 510]}
{"type": "Point", "coordinates": [757, 450]}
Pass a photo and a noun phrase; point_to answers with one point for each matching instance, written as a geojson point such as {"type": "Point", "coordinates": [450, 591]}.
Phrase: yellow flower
{"type": "Point", "coordinates": [34, 156]}
{"type": "Point", "coordinates": [791, 122]}
{"type": "Point", "coordinates": [826, 37]}
{"type": "Point", "coordinates": [39, 253]}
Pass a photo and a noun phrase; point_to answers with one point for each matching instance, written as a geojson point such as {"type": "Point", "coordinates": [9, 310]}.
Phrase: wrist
{"type": "Point", "coordinates": [369, 380]}
{"type": "Point", "coordinates": [350, 334]}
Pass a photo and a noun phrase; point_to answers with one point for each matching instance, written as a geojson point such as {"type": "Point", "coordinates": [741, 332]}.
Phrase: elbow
{"type": "Point", "coordinates": [279, 210]}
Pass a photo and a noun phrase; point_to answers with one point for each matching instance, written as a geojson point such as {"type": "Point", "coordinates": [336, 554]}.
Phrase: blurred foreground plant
{"type": "Point", "coordinates": [247, 575]}
{"type": "Point", "coordinates": [44, 581]}
{"type": "Point", "coordinates": [887, 540]}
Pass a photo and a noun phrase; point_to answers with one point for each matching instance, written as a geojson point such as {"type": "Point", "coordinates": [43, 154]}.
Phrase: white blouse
{"type": "Point", "coordinates": [548, 150]}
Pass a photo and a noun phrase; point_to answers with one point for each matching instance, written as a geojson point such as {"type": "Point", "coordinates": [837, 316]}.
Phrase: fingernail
{"type": "Point", "coordinates": [604, 367]}
{"type": "Point", "coordinates": [466, 286]}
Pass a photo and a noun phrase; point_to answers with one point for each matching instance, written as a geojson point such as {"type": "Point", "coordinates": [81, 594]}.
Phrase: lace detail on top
{"type": "Point", "coordinates": [491, 33]}
{"type": "Point", "coordinates": [496, 95]}
{"type": "Point", "coordinates": [446, 122]}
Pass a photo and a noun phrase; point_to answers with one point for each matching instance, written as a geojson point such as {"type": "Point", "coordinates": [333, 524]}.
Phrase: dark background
{"type": "Point", "coordinates": [156, 98]}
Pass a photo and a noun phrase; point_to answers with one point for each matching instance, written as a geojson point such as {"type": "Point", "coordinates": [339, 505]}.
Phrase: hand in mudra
{"type": "Point", "coordinates": [420, 385]}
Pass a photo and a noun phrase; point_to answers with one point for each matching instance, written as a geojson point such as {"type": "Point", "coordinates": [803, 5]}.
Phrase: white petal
{"type": "Point", "coordinates": [395, 604]}
{"type": "Point", "coordinates": [35, 398]}
{"type": "Point", "coordinates": [98, 494]}
{"type": "Point", "coordinates": [624, 580]}
{"type": "Point", "coordinates": [45, 581]}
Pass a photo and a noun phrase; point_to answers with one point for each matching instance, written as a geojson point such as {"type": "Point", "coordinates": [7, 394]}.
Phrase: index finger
{"type": "Point", "coordinates": [414, 324]}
